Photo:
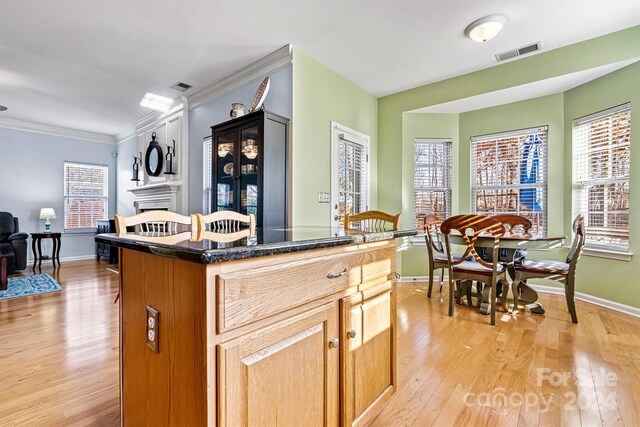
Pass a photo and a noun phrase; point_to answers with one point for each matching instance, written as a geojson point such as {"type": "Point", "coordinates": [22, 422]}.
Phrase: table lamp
{"type": "Point", "coordinates": [47, 213]}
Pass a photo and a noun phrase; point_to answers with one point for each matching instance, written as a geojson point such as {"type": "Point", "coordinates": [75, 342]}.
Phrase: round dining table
{"type": "Point", "coordinates": [512, 242]}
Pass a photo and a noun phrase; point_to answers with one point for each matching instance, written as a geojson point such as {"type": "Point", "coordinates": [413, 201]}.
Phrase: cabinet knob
{"type": "Point", "coordinates": [351, 333]}
{"type": "Point", "coordinates": [332, 275]}
{"type": "Point", "coordinates": [334, 343]}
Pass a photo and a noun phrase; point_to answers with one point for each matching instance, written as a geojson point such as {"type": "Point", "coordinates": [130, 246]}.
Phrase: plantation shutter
{"type": "Point", "coordinates": [601, 166]}
{"type": "Point", "coordinates": [432, 178]}
{"type": "Point", "coordinates": [352, 177]}
{"type": "Point", "coordinates": [86, 189]}
{"type": "Point", "coordinates": [509, 174]}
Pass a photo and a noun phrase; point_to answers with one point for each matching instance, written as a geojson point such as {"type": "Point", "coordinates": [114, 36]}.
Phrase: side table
{"type": "Point", "coordinates": [37, 237]}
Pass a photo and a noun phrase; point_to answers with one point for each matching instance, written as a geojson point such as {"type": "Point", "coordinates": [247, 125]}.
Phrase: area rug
{"type": "Point", "coordinates": [29, 285]}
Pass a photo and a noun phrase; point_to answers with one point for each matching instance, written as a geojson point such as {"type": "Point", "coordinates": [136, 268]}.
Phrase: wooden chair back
{"type": "Point", "coordinates": [470, 227]}
{"type": "Point", "coordinates": [578, 243]}
{"type": "Point", "coordinates": [373, 220]}
{"type": "Point", "coordinates": [227, 222]}
{"type": "Point", "coordinates": [431, 227]}
{"type": "Point", "coordinates": [160, 222]}
{"type": "Point", "coordinates": [514, 224]}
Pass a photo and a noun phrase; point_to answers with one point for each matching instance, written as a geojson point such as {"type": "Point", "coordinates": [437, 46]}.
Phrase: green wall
{"type": "Point", "coordinates": [319, 97]}
{"type": "Point", "coordinates": [610, 48]}
{"type": "Point", "coordinates": [609, 279]}
{"type": "Point", "coordinates": [613, 280]}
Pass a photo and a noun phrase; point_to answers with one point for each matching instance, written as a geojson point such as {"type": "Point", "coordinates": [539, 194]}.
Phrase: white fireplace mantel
{"type": "Point", "coordinates": [162, 195]}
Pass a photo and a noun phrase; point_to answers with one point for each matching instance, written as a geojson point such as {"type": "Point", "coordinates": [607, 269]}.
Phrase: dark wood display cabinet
{"type": "Point", "coordinates": [104, 250]}
{"type": "Point", "coordinates": [249, 170]}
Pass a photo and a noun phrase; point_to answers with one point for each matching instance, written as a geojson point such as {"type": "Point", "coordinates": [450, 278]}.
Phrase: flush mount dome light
{"type": "Point", "coordinates": [485, 29]}
{"type": "Point", "coordinates": [156, 102]}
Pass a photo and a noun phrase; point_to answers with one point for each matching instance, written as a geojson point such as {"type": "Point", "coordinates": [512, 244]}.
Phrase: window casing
{"type": "Point", "coordinates": [509, 175]}
{"type": "Point", "coordinates": [86, 195]}
{"type": "Point", "coordinates": [431, 178]}
{"type": "Point", "coordinates": [601, 166]}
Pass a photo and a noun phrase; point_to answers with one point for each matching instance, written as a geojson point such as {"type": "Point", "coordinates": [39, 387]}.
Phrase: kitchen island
{"type": "Point", "coordinates": [290, 327]}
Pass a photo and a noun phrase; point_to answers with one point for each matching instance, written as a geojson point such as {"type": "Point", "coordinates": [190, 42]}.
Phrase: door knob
{"type": "Point", "coordinates": [336, 218]}
{"type": "Point", "coordinates": [334, 343]}
{"type": "Point", "coordinates": [351, 333]}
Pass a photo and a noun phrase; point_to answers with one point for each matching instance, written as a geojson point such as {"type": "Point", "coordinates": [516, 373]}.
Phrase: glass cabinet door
{"type": "Point", "coordinates": [249, 161]}
{"type": "Point", "coordinates": [224, 150]}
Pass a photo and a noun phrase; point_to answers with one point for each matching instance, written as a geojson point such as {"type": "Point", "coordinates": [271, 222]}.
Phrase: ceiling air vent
{"type": "Point", "coordinates": [181, 87]}
{"type": "Point", "coordinates": [518, 52]}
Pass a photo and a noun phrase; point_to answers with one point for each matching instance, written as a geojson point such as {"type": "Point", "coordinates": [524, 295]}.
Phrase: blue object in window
{"type": "Point", "coordinates": [529, 172]}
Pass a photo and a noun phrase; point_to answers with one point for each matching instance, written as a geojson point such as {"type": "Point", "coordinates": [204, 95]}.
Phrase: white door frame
{"type": "Point", "coordinates": [353, 136]}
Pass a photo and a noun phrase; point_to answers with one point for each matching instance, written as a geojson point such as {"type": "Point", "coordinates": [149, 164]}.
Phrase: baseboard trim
{"type": "Point", "coordinates": [601, 302]}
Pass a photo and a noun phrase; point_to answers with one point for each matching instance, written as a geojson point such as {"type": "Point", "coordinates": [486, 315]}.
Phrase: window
{"type": "Point", "coordinates": [206, 176]}
{"type": "Point", "coordinates": [509, 174]}
{"type": "Point", "coordinates": [601, 165]}
{"type": "Point", "coordinates": [349, 173]}
{"type": "Point", "coordinates": [86, 194]}
{"type": "Point", "coordinates": [432, 178]}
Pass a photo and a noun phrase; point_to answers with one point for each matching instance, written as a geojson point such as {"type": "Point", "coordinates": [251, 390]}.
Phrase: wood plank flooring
{"type": "Point", "coordinates": [59, 361]}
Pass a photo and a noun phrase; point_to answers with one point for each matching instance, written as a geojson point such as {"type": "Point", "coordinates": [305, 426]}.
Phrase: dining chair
{"type": "Point", "coordinates": [563, 272]}
{"type": "Point", "coordinates": [437, 256]}
{"type": "Point", "coordinates": [227, 222]}
{"type": "Point", "coordinates": [470, 227]}
{"type": "Point", "coordinates": [156, 222]}
{"type": "Point", "coordinates": [373, 220]}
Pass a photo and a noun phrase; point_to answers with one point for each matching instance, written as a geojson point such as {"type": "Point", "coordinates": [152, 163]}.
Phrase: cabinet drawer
{"type": "Point", "coordinates": [252, 293]}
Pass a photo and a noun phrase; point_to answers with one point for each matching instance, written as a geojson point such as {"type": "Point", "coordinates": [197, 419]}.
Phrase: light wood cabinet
{"type": "Point", "coordinates": [285, 374]}
{"type": "Point", "coordinates": [251, 342]}
{"type": "Point", "coordinates": [368, 356]}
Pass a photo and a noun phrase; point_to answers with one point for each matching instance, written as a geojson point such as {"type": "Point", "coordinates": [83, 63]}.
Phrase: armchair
{"type": "Point", "coordinates": [13, 243]}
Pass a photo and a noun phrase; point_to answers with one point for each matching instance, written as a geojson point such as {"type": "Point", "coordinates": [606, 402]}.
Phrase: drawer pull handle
{"type": "Point", "coordinates": [332, 275]}
{"type": "Point", "coordinates": [334, 343]}
{"type": "Point", "coordinates": [351, 333]}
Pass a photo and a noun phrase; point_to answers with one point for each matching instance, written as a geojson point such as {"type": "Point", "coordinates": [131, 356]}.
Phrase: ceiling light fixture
{"type": "Point", "coordinates": [484, 29]}
{"type": "Point", "coordinates": [156, 102]}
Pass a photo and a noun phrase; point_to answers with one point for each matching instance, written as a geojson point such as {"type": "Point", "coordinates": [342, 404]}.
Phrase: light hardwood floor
{"type": "Point", "coordinates": [59, 359]}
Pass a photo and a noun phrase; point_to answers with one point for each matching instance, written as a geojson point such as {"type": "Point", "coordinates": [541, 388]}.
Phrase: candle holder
{"type": "Point", "coordinates": [137, 162]}
{"type": "Point", "coordinates": [171, 153]}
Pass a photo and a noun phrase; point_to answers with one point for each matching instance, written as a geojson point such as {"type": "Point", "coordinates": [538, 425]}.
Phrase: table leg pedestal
{"type": "Point", "coordinates": [3, 273]}
{"type": "Point", "coordinates": [529, 298]}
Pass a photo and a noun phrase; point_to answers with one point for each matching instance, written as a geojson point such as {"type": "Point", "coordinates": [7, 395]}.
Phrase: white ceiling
{"type": "Point", "coordinates": [86, 64]}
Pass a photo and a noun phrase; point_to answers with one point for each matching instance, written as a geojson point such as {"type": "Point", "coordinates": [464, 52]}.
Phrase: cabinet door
{"type": "Point", "coordinates": [250, 161]}
{"type": "Point", "coordinates": [284, 374]}
{"type": "Point", "coordinates": [224, 173]}
{"type": "Point", "coordinates": [367, 359]}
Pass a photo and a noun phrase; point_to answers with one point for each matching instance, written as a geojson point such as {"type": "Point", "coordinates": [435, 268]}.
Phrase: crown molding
{"type": "Point", "coordinates": [179, 104]}
{"type": "Point", "coordinates": [270, 63]}
{"type": "Point", "coordinates": [56, 131]}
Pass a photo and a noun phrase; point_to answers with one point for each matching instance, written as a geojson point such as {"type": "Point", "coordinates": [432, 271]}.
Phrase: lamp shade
{"type": "Point", "coordinates": [47, 213]}
{"type": "Point", "coordinates": [485, 29]}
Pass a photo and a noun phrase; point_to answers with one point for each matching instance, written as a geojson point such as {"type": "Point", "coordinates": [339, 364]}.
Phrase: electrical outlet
{"type": "Point", "coordinates": [324, 197]}
{"type": "Point", "coordinates": [153, 328]}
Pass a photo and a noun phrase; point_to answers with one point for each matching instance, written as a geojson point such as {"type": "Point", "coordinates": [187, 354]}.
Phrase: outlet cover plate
{"type": "Point", "coordinates": [153, 329]}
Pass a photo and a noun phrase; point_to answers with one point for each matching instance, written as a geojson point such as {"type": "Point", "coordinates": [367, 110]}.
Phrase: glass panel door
{"type": "Point", "coordinates": [224, 153]}
{"type": "Point", "coordinates": [250, 153]}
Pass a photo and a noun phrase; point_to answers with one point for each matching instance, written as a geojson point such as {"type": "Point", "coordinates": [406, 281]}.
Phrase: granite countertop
{"type": "Point", "coordinates": [209, 248]}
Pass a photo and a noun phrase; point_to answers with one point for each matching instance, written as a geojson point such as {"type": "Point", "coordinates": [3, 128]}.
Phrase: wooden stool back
{"type": "Point", "coordinates": [227, 222]}
{"type": "Point", "coordinates": [155, 222]}
{"type": "Point", "coordinates": [373, 220]}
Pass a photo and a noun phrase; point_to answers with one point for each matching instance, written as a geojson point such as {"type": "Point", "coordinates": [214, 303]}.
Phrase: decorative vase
{"type": "Point", "coordinates": [237, 110]}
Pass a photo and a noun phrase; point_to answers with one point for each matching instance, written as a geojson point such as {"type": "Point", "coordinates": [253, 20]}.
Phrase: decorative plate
{"type": "Point", "coordinates": [228, 168]}
{"type": "Point", "coordinates": [261, 94]}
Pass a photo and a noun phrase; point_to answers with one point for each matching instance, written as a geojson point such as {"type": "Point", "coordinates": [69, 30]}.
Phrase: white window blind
{"type": "Point", "coordinates": [432, 178]}
{"type": "Point", "coordinates": [352, 177]}
{"type": "Point", "coordinates": [86, 194]}
{"type": "Point", "coordinates": [206, 175]}
{"type": "Point", "coordinates": [509, 174]}
{"type": "Point", "coordinates": [601, 165]}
